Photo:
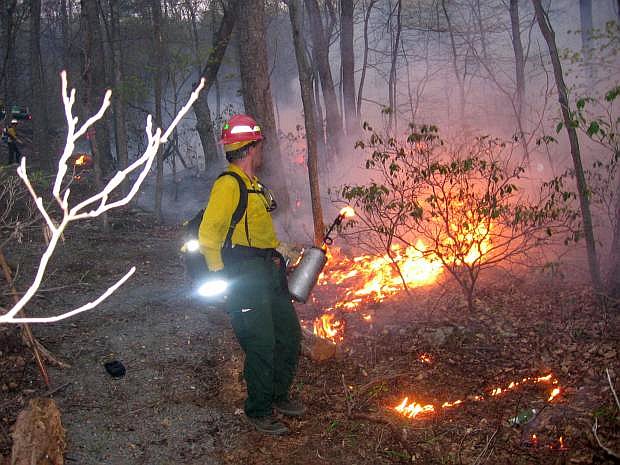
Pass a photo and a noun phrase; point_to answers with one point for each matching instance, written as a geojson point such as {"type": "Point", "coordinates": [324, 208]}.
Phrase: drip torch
{"type": "Point", "coordinates": [306, 274]}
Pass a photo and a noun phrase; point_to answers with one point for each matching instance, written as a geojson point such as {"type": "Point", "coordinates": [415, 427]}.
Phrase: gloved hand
{"type": "Point", "coordinates": [290, 252]}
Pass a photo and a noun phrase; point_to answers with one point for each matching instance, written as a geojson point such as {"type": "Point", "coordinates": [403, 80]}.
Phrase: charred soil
{"type": "Point", "coordinates": [181, 398]}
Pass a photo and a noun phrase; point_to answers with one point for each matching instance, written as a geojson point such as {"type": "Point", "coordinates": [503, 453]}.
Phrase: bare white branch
{"type": "Point", "coordinates": [141, 165]}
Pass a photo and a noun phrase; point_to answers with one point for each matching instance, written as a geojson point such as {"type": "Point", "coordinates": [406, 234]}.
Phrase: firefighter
{"type": "Point", "coordinates": [12, 140]}
{"type": "Point", "coordinates": [258, 303]}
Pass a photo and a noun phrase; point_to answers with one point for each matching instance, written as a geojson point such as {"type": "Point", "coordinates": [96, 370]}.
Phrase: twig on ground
{"type": "Point", "coordinates": [611, 385]}
{"type": "Point", "coordinates": [486, 447]}
{"type": "Point", "coordinates": [347, 396]}
{"type": "Point", "coordinates": [395, 430]}
{"type": "Point", "coordinates": [51, 392]}
{"type": "Point", "coordinates": [609, 451]}
{"type": "Point", "coordinates": [600, 443]}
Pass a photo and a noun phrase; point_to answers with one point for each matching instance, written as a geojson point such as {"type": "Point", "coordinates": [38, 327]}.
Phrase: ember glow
{"type": "Point", "coordinates": [410, 410]}
{"type": "Point", "coordinates": [426, 358]}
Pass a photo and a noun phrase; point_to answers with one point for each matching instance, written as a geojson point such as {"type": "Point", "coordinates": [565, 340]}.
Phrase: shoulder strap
{"type": "Point", "coordinates": [241, 206]}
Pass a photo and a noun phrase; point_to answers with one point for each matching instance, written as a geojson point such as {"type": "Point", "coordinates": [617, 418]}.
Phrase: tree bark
{"type": "Point", "coordinates": [360, 91]}
{"type": "Point", "coordinates": [8, 31]}
{"type": "Point", "coordinates": [347, 58]}
{"type": "Point", "coordinates": [40, 144]}
{"type": "Point", "coordinates": [517, 46]}
{"type": "Point", "coordinates": [118, 98]}
{"type": "Point", "coordinates": [460, 80]}
{"type": "Point", "coordinates": [613, 283]}
{"type": "Point", "coordinates": [158, 63]}
{"type": "Point", "coordinates": [582, 188]}
{"type": "Point", "coordinates": [394, 59]}
{"type": "Point", "coordinates": [256, 89]}
{"type": "Point", "coordinates": [92, 75]}
{"type": "Point", "coordinates": [305, 83]}
{"type": "Point", "coordinates": [321, 53]}
{"type": "Point", "coordinates": [204, 125]}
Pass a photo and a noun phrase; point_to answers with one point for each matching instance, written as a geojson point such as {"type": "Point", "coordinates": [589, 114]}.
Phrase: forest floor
{"type": "Point", "coordinates": [181, 398]}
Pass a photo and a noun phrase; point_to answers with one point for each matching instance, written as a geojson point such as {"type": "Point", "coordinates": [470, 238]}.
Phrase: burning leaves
{"type": "Point", "coordinates": [413, 409]}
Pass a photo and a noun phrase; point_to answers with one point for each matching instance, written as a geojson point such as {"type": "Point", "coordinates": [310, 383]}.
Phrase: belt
{"type": "Point", "coordinates": [242, 252]}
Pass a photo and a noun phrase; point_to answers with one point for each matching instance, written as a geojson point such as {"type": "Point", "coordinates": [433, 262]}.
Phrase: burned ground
{"type": "Point", "coordinates": [181, 398]}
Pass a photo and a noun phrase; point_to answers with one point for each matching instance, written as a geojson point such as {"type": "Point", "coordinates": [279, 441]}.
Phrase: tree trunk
{"type": "Point", "coordinates": [392, 79]}
{"type": "Point", "coordinates": [158, 63]}
{"type": "Point", "coordinates": [256, 90]}
{"type": "Point", "coordinates": [305, 82]}
{"type": "Point", "coordinates": [8, 20]}
{"type": "Point", "coordinates": [94, 59]}
{"type": "Point", "coordinates": [457, 74]}
{"type": "Point", "coordinates": [585, 16]}
{"type": "Point", "coordinates": [321, 52]}
{"type": "Point", "coordinates": [613, 284]}
{"type": "Point", "coordinates": [92, 75]}
{"type": "Point", "coordinates": [64, 26]}
{"type": "Point", "coordinates": [517, 46]}
{"type": "Point", "coordinates": [40, 144]}
{"type": "Point", "coordinates": [365, 63]}
{"type": "Point", "coordinates": [204, 125]}
{"type": "Point", "coordinates": [347, 58]}
{"type": "Point", "coordinates": [118, 97]}
{"type": "Point", "coordinates": [582, 188]}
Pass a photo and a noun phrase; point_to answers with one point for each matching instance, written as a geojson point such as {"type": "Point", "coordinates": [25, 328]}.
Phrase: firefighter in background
{"type": "Point", "coordinates": [258, 303]}
{"type": "Point", "coordinates": [12, 140]}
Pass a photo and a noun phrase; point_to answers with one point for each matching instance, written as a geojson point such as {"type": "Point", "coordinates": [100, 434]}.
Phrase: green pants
{"type": "Point", "coordinates": [267, 328]}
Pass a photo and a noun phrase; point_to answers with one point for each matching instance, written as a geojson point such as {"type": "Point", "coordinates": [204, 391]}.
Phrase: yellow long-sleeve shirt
{"type": "Point", "coordinates": [218, 214]}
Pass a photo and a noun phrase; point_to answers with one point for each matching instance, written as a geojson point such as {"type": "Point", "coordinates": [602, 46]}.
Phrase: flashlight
{"type": "Point", "coordinates": [191, 246]}
{"type": "Point", "coordinates": [213, 288]}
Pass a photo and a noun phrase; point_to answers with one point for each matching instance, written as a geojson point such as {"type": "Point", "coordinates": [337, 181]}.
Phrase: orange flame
{"type": "Point", "coordinates": [554, 394]}
{"type": "Point", "coordinates": [328, 327]}
{"type": "Point", "coordinates": [83, 159]}
{"type": "Point", "coordinates": [413, 409]}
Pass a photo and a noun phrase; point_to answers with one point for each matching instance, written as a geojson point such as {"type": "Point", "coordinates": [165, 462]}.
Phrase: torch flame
{"type": "Point", "coordinates": [347, 212]}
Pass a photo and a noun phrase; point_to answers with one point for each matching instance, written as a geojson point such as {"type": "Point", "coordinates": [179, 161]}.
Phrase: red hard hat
{"type": "Point", "coordinates": [239, 131]}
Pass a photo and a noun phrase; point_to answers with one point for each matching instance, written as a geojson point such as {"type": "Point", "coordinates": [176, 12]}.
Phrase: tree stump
{"type": "Point", "coordinates": [38, 435]}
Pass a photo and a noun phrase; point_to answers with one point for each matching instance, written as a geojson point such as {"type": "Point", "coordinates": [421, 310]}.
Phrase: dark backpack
{"type": "Point", "coordinates": [194, 261]}
{"type": "Point", "coordinates": [5, 136]}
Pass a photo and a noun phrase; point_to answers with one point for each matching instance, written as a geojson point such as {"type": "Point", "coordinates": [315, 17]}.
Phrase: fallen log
{"type": "Point", "coordinates": [38, 435]}
{"type": "Point", "coordinates": [316, 348]}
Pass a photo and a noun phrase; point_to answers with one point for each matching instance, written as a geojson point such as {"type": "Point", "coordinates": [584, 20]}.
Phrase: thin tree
{"type": "Point", "coordinates": [39, 98]}
{"type": "Point", "coordinates": [305, 83]}
{"type": "Point", "coordinates": [221, 39]}
{"type": "Point", "coordinates": [256, 89]}
{"type": "Point", "coordinates": [360, 91]}
{"type": "Point", "coordinates": [347, 58]}
{"type": "Point", "coordinates": [582, 188]}
{"type": "Point", "coordinates": [158, 65]}
{"type": "Point", "coordinates": [119, 103]}
{"type": "Point", "coordinates": [320, 49]}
